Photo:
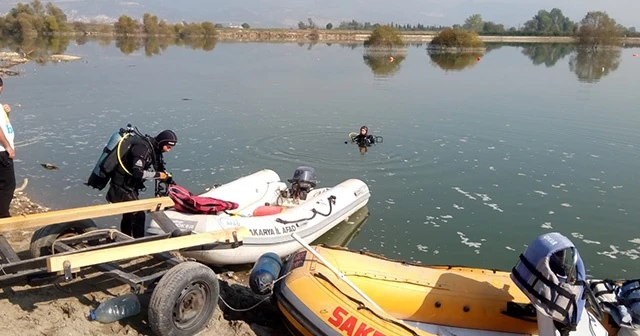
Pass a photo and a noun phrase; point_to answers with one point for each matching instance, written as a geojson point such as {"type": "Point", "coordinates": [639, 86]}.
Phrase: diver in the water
{"type": "Point", "coordinates": [364, 139]}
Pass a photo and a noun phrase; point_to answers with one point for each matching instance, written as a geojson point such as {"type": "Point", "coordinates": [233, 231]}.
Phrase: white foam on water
{"type": "Point", "coordinates": [422, 248]}
{"type": "Point", "coordinates": [492, 148]}
{"type": "Point", "coordinates": [390, 201]}
{"type": "Point", "coordinates": [635, 241]}
{"type": "Point", "coordinates": [446, 216]}
{"type": "Point", "coordinates": [485, 197]}
{"type": "Point", "coordinates": [458, 207]}
{"type": "Point", "coordinates": [509, 248]}
{"type": "Point", "coordinates": [566, 205]}
{"type": "Point", "coordinates": [594, 156]}
{"type": "Point", "coordinates": [464, 140]}
{"type": "Point", "coordinates": [551, 212]}
{"type": "Point", "coordinates": [617, 187]}
{"type": "Point", "coordinates": [492, 168]}
{"type": "Point", "coordinates": [465, 240]}
{"type": "Point", "coordinates": [587, 241]}
{"type": "Point", "coordinates": [546, 225]}
{"type": "Point", "coordinates": [540, 192]}
{"type": "Point", "coordinates": [494, 207]}
{"type": "Point", "coordinates": [577, 235]}
{"type": "Point", "coordinates": [522, 174]}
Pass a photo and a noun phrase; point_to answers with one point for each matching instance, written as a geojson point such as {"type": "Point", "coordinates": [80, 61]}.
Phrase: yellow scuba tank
{"type": "Point", "coordinates": [111, 156]}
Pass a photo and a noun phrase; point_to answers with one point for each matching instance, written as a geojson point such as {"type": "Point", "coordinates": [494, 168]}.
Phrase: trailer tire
{"type": "Point", "coordinates": [184, 300]}
{"type": "Point", "coordinates": [45, 236]}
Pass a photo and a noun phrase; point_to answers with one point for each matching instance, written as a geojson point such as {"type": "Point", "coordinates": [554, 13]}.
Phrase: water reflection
{"type": "Point", "coordinates": [591, 65]}
{"type": "Point", "coordinates": [384, 63]}
{"type": "Point", "coordinates": [343, 233]}
{"type": "Point", "coordinates": [156, 45]}
{"type": "Point", "coordinates": [37, 49]}
{"type": "Point", "coordinates": [547, 54]}
{"type": "Point", "coordinates": [453, 61]}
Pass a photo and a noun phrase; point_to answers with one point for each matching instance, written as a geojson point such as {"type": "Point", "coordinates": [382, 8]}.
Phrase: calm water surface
{"type": "Point", "coordinates": [479, 156]}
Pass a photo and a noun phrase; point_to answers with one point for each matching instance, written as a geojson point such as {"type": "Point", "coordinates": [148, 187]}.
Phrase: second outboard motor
{"type": "Point", "coordinates": [303, 181]}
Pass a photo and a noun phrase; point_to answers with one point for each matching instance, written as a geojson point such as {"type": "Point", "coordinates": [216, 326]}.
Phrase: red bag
{"type": "Point", "coordinates": [187, 202]}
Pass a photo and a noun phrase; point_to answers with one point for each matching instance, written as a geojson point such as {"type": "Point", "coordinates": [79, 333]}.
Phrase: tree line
{"type": "Point", "coordinates": [552, 22]}
{"type": "Point", "coordinates": [35, 19]}
{"type": "Point", "coordinates": [38, 19]}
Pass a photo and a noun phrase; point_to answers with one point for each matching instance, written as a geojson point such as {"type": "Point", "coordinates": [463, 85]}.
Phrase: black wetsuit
{"type": "Point", "coordinates": [126, 187]}
{"type": "Point", "coordinates": [364, 140]}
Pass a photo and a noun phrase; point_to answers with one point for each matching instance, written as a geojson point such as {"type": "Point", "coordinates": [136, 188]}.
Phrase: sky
{"type": "Point", "coordinates": [287, 13]}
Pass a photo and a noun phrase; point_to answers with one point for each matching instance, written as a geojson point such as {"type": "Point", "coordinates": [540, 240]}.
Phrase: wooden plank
{"type": "Point", "coordinates": [83, 259]}
{"type": "Point", "coordinates": [88, 212]}
{"type": "Point", "coordinates": [7, 251]}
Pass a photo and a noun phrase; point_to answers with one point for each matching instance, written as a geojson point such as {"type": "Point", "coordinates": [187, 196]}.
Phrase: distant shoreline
{"type": "Point", "coordinates": [332, 36]}
{"type": "Point", "coordinates": [357, 36]}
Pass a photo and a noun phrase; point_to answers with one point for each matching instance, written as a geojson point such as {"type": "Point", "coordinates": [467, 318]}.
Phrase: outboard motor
{"type": "Point", "coordinates": [303, 181]}
{"type": "Point", "coordinates": [552, 275]}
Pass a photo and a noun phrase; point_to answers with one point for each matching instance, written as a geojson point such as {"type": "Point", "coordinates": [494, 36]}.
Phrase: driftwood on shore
{"type": "Point", "coordinates": [8, 60]}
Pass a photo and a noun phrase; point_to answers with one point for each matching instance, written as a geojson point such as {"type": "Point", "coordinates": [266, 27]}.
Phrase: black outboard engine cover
{"type": "Point", "coordinates": [304, 180]}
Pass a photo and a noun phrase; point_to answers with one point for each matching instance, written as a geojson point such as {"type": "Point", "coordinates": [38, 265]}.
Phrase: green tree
{"type": "Point", "coordinates": [459, 39]}
{"type": "Point", "coordinates": [598, 29]}
{"type": "Point", "coordinates": [474, 23]}
{"type": "Point", "coordinates": [150, 24]}
{"type": "Point", "coordinates": [59, 15]}
{"type": "Point", "coordinates": [491, 27]}
{"type": "Point", "coordinates": [125, 26]}
{"type": "Point", "coordinates": [329, 26]}
{"type": "Point", "coordinates": [51, 24]}
{"type": "Point", "coordinates": [38, 8]}
{"type": "Point", "coordinates": [209, 29]}
{"type": "Point", "coordinates": [384, 36]}
{"type": "Point", "coordinates": [246, 26]}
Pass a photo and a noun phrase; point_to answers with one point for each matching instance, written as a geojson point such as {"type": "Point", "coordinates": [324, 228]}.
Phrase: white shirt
{"type": "Point", "coordinates": [7, 129]}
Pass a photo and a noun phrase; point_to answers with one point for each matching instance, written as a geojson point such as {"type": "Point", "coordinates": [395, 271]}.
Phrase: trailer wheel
{"type": "Point", "coordinates": [45, 236]}
{"type": "Point", "coordinates": [184, 300]}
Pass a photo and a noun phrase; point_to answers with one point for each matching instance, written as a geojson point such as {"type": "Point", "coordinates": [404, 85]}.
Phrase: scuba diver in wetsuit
{"type": "Point", "coordinates": [127, 181]}
{"type": "Point", "coordinates": [364, 139]}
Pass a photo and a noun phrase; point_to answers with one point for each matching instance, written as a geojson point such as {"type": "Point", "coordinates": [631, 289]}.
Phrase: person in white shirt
{"type": "Point", "coordinates": [7, 153]}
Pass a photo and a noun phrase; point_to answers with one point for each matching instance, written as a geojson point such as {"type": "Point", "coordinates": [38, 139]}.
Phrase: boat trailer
{"type": "Point", "coordinates": [67, 241]}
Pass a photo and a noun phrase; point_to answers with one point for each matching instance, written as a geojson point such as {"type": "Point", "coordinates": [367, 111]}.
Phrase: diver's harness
{"type": "Point", "coordinates": [161, 187]}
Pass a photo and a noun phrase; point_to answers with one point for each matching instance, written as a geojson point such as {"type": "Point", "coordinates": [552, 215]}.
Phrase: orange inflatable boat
{"type": "Point", "coordinates": [315, 298]}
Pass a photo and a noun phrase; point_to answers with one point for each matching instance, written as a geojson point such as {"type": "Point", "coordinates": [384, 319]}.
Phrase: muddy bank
{"type": "Point", "coordinates": [62, 309]}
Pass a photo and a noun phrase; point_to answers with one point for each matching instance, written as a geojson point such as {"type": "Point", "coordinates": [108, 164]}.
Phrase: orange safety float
{"type": "Point", "coordinates": [266, 210]}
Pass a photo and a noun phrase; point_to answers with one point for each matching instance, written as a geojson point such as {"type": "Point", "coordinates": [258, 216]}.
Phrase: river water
{"type": "Point", "coordinates": [480, 154]}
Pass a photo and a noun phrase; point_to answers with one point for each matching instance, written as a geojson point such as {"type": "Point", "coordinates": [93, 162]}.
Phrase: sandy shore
{"type": "Point", "coordinates": [62, 309]}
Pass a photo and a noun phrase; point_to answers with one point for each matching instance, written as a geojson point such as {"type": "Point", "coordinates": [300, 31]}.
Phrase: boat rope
{"type": "Point", "coordinates": [361, 305]}
{"type": "Point", "coordinates": [268, 295]}
{"type": "Point", "coordinates": [332, 201]}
